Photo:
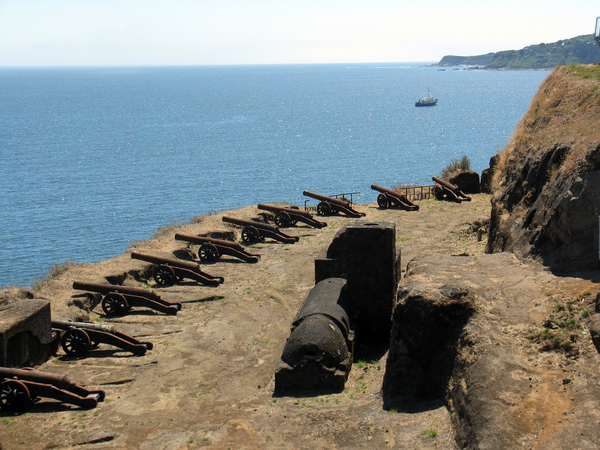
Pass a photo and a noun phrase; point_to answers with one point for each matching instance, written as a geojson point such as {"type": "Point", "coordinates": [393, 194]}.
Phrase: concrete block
{"type": "Point", "coordinates": [25, 333]}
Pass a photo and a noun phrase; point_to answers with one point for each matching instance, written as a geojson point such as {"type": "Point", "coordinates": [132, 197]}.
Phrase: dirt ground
{"type": "Point", "coordinates": [208, 381]}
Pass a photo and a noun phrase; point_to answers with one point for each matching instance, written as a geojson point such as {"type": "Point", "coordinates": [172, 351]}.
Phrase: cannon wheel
{"type": "Point", "coordinates": [282, 219]}
{"type": "Point", "coordinates": [165, 275]}
{"type": "Point", "coordinates": [324, 209]}
{"type": "Point", "coordinates": [250, 234]}
{"type": "Point", "coordinates": [208, 252]}
{"type": "Point", "coordinates": [76, 342]}
{"type": "Point", "coordinates": [438, 192]}
{"type": "Point", "coordinates": [14, 395]}
{"type": "Point", "coordinates": [382, 201]}
{"type": "Point", "coordinates": [114, 304]}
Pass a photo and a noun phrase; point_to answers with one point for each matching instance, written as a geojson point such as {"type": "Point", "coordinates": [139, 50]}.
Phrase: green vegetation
{"type": "Point", "coordinates": [585, 72]}
{"type": "Point", "coordinates": [431, 433]}
{"type": "Point", "coordinates": [456, 165]}
{"type": "Point", "coordinates": [577, 50]}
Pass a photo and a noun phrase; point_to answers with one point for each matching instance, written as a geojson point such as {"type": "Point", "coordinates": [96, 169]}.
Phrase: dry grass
{"type": "Point", "coordinates": [566, 112]}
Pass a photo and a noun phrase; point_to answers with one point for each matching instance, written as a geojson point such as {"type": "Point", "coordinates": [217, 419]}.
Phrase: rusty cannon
{"type": "Point", "coordinates": [257, 231]}
{"type": "Point", "coordinates": [118, 300]}
{"type": "Point", "coordinates": [22, 387]}
{"type": "Point", "coordinates": [285, 217]}
{"type": "Point", "coordinates": [444, 189]}
{"type": "Point", "coordinates": [78, 338]}
{"type": "Point", "coordinates": [212, 249]}
{"type": "Point", "coordinates": [329, 205]}
{"type": "Point", "coordinates": [169, 271]}
{"type": "Point", "coordinates": [388, 198]}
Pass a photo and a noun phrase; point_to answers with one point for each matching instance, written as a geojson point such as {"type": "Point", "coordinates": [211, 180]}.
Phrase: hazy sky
{"type": "Point", "coordinates": [201, 32]}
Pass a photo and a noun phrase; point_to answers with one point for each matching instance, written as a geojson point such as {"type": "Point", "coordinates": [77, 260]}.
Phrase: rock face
{"type": "Point", "coordinates": [488, 174]}
{"type": "Point", "coordinates": [547, 187]}
{"type": "Point", "coordinates": [459, 333]}
{"type": "Point", "coordinates": [467, 181]}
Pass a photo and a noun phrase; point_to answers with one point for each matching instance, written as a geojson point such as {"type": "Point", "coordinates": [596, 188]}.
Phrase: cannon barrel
{"type": "Point", "coordinates": [287, 210]}
{"type": "Point", "coordinates": [204, 240]}
{"type": "Point", "coordinates": [108, 288]}
{"type": "Point", "coordinates": [450, 186]}
{"type": "Point", "coordinates": [65, 325]}
{"type": "Point", "coordinates": [36, 376]}
{"type": "Point", "coordinates": [250, 223]}
{"type": "Point", "coordinates": [388, 191]}
{"type": "Point", "coordinates": [324, 198]}
{"type": "Point", "coordinates": [168, 261]}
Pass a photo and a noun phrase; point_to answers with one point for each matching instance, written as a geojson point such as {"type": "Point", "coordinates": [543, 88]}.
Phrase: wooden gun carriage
{"type": "Point", "coordinates": [81, 337]}
{"type": "Point", "coordinates": [212, 249]}
{"type": "Point", "coordinates": [168, 271]}
{"type": "Point", "coordinates": [388, 198]}
{"type": "Point", "coordinates": [329, 205]}
{"type": "Point", "coordinates": [285, 217]}
{"type": "Point", "coordinates": [444, 189]}
{"type": "Point", "coordinates": [257, 231]}
{"type": "Point", "coordinates": [20, 388]}
{"type": "Point", "coordinates": [118, 300]}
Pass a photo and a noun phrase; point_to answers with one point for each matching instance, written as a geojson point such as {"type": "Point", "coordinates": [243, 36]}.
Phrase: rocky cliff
{"type": "Point", "coordinates": [546, 198]}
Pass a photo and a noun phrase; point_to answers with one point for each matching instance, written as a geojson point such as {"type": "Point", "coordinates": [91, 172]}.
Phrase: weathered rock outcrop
{"type": "Point", "coordinates": [547, 187]}
{"type": "Point", "coordinates": [460, 332]}
{"type": "Point", "coordinates": [466, 180]}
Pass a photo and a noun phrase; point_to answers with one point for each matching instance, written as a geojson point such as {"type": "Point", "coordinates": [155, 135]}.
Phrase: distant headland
{"type": "Point", "coordinates": [577, 50]}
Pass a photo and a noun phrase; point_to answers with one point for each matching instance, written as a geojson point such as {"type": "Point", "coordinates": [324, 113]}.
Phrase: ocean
{"type": "Point", "coordinates": [94, 159]}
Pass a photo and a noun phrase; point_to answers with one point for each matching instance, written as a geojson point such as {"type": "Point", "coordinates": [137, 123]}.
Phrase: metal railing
{"type": "Point", "coordinates": [415, 192]}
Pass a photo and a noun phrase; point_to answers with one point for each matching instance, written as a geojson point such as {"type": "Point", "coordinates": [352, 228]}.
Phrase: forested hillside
{"type": "Point", "coordinates": [577, 50]}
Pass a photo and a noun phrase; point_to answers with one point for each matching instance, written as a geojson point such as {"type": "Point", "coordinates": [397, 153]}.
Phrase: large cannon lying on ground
{"type": "Point", "coordinates": [19, 388]}
{"type": "Point", "coordinates": [388, 198]}
{"type": "Point", "coordinates": [257, 231]}
{"type": "Point", "coordinates": [169, 271]}
{"type": "Point", "coordinates": [285, 217]}
{"type": "Point", "coordinates": [450, 191]}
{"type": "Point", "coordinates": [329, 205]}
{"type": "Point", "coordinates": [81, 337]}
{"type": "Point", "coordinates": [319, 351]}
{"type": "Point", "coordinates": [212, 249]}
{"type": "Point", "coordinates": [118, 300]}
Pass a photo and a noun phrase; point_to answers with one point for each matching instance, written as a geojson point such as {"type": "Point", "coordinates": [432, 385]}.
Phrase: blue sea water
{"type": "Point", "coordinates": [93, 159]}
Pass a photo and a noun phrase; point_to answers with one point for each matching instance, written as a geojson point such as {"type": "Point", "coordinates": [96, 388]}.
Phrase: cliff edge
{"type": "Point", "coordinates": [546, 198]}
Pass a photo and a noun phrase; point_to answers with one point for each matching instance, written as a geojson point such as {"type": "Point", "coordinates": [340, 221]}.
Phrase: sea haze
{"type": "Point", "coordinates": [94, 159]}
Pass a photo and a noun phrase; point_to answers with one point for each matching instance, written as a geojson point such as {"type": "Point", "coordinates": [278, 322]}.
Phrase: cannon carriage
{"type": "Point", "coordinates": [169, 271]}
{"type": "Point", "coordinates": [445, 190]}
{"type": "Point", "coordinates": [257, 231]}
{"type": "Point", "coordinates": [118, 300]}
{"type": "Point", "coordinates": [286, 217]}
{"type": "Point", "coordinates": [388, 198]}
{"type": "Point", "coordinates": [78, 338]}
{"type": "Point", "coordinates": [19, 388]}
{"type": "Point", "coordinates": [329, 205]}
{"type": "Point", "coordinates": [212, 249]}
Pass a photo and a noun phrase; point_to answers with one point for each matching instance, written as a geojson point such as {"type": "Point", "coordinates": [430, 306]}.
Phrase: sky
{"type": "Point", "coordinates": [232, 32]}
